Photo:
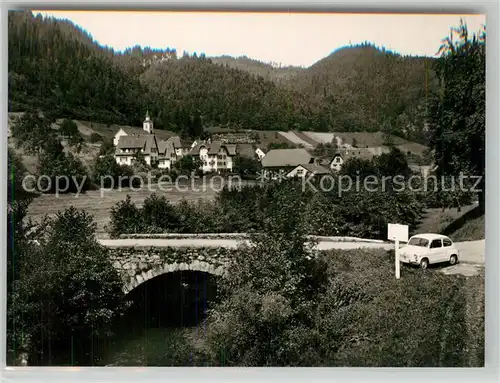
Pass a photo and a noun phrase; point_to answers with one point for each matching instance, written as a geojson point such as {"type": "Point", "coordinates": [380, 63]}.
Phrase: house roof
{"type": "Point", "coordinates": [316, 169]}
{"type": "Point", "coordinates": [145, 142]}
{"type": "Point", "coordinates": [214, 148]}
{"type": "Point", "coordinates": [165, 149]}
{"type": "Point", "coordinates": [175, 141]}
{"type": "Point", "coordinates": [361, 153]}
{"type": "Point", "coordinates": [231, 149]}
{"type": "Point", "coordinates": [286, 158]}
{"type": "Point", "coordinates": [246, 150]}
{"type": "Point", "coordinates": [131, 142]}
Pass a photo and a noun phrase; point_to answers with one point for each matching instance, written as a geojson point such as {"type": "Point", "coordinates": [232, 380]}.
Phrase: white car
{"type": "Point", "coordinates": [426, 249]}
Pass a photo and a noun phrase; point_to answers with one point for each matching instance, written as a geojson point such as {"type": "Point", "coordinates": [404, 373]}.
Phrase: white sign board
{"type": "Point", "coordinates": [397, 232]}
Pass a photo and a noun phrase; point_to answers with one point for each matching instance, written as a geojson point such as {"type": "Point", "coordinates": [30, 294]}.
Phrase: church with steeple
{"type": "Point", "coordinates": [131, 141]}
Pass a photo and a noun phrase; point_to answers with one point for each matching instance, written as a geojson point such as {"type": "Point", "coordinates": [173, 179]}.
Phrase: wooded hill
{"type": "Point", "coordinates": [58, 68]}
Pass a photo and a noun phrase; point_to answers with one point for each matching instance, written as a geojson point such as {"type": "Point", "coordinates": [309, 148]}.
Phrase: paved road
{"type": "Point", "coordinates": [471, 252]}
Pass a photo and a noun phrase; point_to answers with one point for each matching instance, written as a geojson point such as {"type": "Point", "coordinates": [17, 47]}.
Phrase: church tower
{"type": "Point", "coordinates": [147, 125]}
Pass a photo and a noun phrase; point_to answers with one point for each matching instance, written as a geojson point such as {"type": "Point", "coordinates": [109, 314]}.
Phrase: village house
{"type": "Point", "coordinates": [260, 153]}
{"type": "Point", "coordinates": [147, 126]}
{"type": "Point", "coordinates": [155, 151]}
{"type": "Point", "coordinates": [307, 170]}
{"type": "Point", "coordinates": [284, 161]}
{"type": "Point", "coordinates": [170, 151]}
{"type": "Point", "coordinates": [335, 164]}
{"type": "Point", "coordinates": [130, 146]}
{"type": "Point", "coordinates": [215, 156]}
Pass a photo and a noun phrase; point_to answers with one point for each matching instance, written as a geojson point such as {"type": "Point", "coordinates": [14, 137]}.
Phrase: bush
{"type": "Point", "coordinates": [257, 322]}
{"type": "Point", "coordinates": [159, 215]}
{"type": "Point", "coordinates": [62, 172]}
{"type": "Point", "coordinates": [125, 218]}
{"type": "Point", "coordinates": [72, 298]}
{"type": "Point", "coordinates": [107, 173]}
{"type": "Point", "coordinates": [95, 137]}
{"type": "Point", "coordinates": [263, 318]}
{"type": "Point", "coordinates": [107, 148]}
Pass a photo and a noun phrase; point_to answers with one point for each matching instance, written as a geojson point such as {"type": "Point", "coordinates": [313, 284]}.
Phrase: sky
{"type": "Point", "coordinates": [284, 38]}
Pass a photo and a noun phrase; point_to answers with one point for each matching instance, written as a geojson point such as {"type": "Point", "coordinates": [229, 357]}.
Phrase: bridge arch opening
{"type": "Point", "coordinates": [177, 299]}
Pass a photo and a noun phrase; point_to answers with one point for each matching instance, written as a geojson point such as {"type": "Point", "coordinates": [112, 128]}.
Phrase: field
{"type": "Point", "coordinates": [292, 137]}
{"type": "Point", "coordinates": [99, 203]}
{"type": "Point", "coordinates": [464, 225]}
{"type": "Point", "coordinates": [367, 140]}
{"type": "Point", "coordinates": [87, 128]}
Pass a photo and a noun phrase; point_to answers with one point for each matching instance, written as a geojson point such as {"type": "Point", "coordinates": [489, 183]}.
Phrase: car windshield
{"type": "Point", "coordinates": [416, 241]}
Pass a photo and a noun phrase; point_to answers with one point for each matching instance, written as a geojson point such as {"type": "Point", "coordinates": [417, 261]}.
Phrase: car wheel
{"type": "Point", "coordinates": [424, 263]}
{"type": "Point", "coordinates": [453, 260]}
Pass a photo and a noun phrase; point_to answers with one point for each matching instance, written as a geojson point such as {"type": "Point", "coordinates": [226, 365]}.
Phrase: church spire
{"type": "Point", "coordinates": [147, 125]}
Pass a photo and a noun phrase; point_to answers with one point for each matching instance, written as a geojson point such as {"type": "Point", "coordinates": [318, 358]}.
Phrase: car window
{"type": "Point", "coordinates": [446, 242]}
{"type": "Point", "coordinates": [417, 241]}
{"type": "Point", "coordinates": [435, 243]}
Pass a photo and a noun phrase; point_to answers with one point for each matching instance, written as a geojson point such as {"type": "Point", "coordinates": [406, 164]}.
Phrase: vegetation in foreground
{"type": "Point", "coordinates": [334, 310]}
{"type": "Point", "coordinates": [435, 320]}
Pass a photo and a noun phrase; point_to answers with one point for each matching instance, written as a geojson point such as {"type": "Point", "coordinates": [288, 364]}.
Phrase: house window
{"type": "Point", "coordinates": [337, 160]}
{"type": "Point", "coordinates": [300, 172]}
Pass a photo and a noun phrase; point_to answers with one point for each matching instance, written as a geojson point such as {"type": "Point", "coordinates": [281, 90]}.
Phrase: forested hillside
{"type": "Point", "coordinates": [56, 67]}
{"type": "Point", "coordinates": [370, 89]}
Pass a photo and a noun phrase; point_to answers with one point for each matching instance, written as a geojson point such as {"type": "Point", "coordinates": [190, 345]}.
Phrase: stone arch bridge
{"type": "Point", "coordinates": [138, 264]}
{"type": "Point", "coordinates": [139, 258]}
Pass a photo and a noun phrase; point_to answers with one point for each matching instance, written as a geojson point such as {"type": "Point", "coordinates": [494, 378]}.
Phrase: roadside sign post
{"type": "Point", "coordinates": [398, 265]}
{"type": "Point", "coordinates": [396, 233]}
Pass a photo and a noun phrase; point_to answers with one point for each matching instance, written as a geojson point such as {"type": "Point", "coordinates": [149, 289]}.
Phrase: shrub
{"type": "Point", "coordinates": [107, 147]}
{"type": "Point", "coordinates": [107, 173]}
{"type": "Point", "coordinates": [95, 137]}
{"type": "Point", "coordinates": [64, 173]}
{"type": "Point", "coordinates": [125, 218]}
{"type": "Point", "coordinates": [158, 214]}
{"type": "Point", "coordinates": [74, 295]}
{"type": "Point", "coordinates": [263, 318]}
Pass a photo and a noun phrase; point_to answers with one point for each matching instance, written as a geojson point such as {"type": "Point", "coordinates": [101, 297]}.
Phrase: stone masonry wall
{"type": "Point", "coordinates": [139, 264]}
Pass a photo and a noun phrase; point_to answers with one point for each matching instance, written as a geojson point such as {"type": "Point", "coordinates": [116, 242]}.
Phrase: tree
{"type": "Point", "coordinates": [139, 162]}
{"type": "Point", "coordinates": [187, 165]}
{"type": "Point", "coordinates": [106, 148]}
{"type": "Point", "coordinates": [108, 173]}
{"type": "Point", "coordinates": [74, 295]}
{"type": "Point", "coordinates": [62, 172]}
{"type": "Point", "coordinates": [32, 131]}
{"type": "Point", "coordinates": [246, 167]}
{"type": "Point", "coordinates": [457, 111]}
{"type": "Point", "coordinates": [264, 317]}
{"type": "Point", "coordinates": [392, 164]}
{"type": "Point", "coordinates": [354, 143]}
{"type": "Point", "coordinates": [69, 130]}
{"type": "Point", "coordinates": [125, 218]}
{"type": "Point", "coordinates": [15, 189]}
